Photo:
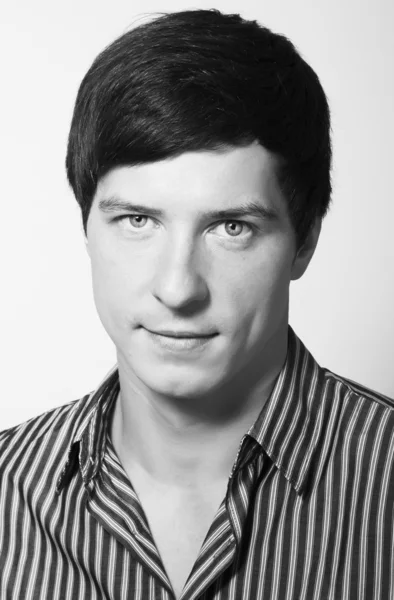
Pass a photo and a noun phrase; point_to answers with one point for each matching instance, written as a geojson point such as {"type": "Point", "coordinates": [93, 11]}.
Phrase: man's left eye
{"type": "Point", "coordinates": [137, 217]}
{"type": "Point", "coordinates": [239, 224]}
{"type": "Point", "coordinates": [126, 220]}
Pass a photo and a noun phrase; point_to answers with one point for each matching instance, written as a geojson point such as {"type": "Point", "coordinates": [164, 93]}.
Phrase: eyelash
{"type": "Point", "coordinates": [244, 223]}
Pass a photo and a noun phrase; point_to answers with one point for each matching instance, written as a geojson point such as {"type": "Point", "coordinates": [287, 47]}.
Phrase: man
{"type": "Point", "coordinates": [217, 459]}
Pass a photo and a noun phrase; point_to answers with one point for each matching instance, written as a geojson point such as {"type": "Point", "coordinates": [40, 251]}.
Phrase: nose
{"type": "Point", "coordinates": [179, 280]}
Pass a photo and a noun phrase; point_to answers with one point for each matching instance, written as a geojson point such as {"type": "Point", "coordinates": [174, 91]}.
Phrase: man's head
{"type": "Point", "coordinates": [186, 116]}
{"type": "Point", "coordinates": [202, 80]}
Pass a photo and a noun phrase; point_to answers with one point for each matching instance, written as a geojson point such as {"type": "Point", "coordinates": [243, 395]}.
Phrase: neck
{"type": "Point", "coordinates": [190, 442]}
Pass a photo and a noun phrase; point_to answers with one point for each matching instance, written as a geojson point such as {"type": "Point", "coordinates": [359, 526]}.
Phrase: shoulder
{"type": "Point", "coordinates": [355, 391]}
{"type": "Point", "coordinates": [363, 418]}
{"type": "Point", "coordinates": [43, 436]}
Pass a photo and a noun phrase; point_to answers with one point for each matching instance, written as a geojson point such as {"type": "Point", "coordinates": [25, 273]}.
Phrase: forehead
{"type": "Point", "coordinates": [199, 180]}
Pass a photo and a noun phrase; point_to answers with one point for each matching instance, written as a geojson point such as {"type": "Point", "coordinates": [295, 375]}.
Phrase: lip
{"type": "Point", "coordinates": [182, 334]}
{"type": "Point", "coordinates": [181, 344]}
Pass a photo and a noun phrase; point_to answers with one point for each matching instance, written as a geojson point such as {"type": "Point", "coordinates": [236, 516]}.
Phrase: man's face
{"type": "Point", "coordinates": [183, 269]}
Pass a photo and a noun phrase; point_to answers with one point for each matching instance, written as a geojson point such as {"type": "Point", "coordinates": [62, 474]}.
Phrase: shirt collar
{"type": "Point", "coordinates": [288, 428]}
{"type": "Point", "coordinates": [87, 439]}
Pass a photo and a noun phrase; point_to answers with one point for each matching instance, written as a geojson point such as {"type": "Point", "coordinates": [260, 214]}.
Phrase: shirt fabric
{"type": "Point", "coordinates": [308, 512]}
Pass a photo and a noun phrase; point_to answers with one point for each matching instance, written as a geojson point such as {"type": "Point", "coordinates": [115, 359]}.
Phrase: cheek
{"type": "Point", "coordinates": [258, 303]}
{"type": "Point", "coordinates": [259, 283]}
{"type": "Point", "coordinates": [113, 283]}
{"type": "Point", "coordinates": [260, 317]}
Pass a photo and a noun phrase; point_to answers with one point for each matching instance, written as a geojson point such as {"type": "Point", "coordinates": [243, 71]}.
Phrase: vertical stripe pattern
{"type": "Point", "coordinates": [308, 512]}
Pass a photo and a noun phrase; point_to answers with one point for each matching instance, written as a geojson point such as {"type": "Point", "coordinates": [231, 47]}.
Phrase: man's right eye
{"type": "Point", "coordinates": [129, 220]}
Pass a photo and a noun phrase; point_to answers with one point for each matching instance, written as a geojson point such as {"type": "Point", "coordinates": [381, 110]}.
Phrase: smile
{"type": "Point", "coordinates": [179, 343]}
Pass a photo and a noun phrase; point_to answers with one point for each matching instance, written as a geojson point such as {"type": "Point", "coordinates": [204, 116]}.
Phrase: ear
{"type": "Point", "coordinates": [304, 254]}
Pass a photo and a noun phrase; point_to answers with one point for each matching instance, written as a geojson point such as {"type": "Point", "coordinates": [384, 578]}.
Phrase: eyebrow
{"type": "Point", "coordinates": [246, 209]}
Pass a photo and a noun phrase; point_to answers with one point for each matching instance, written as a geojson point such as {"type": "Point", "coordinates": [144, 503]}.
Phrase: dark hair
{"type": "Point", "coordinates": [203, 80]}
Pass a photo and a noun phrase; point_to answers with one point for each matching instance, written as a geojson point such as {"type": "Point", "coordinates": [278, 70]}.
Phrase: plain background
{"type": "Point", "coordinates": [53, 348]}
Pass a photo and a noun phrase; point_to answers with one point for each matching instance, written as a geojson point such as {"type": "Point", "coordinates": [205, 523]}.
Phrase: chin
{"type": "Point", "coordinates": [181, 384]}
{"type": "Point", "coordinates": [170, 375]}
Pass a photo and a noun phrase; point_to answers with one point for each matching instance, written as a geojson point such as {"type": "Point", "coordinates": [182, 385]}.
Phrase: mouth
{"type": "Point", "coordinates": [180, 341]}
{"type": "Point", "coordinates": [183, 334]}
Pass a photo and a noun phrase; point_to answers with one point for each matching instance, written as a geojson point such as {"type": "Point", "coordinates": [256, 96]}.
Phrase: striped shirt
{"type": "Point", "coordinates": [308, 512]}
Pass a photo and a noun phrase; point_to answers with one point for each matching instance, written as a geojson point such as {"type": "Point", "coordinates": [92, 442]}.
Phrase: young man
{"type": "Point", "coordinates": [217, 460]}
